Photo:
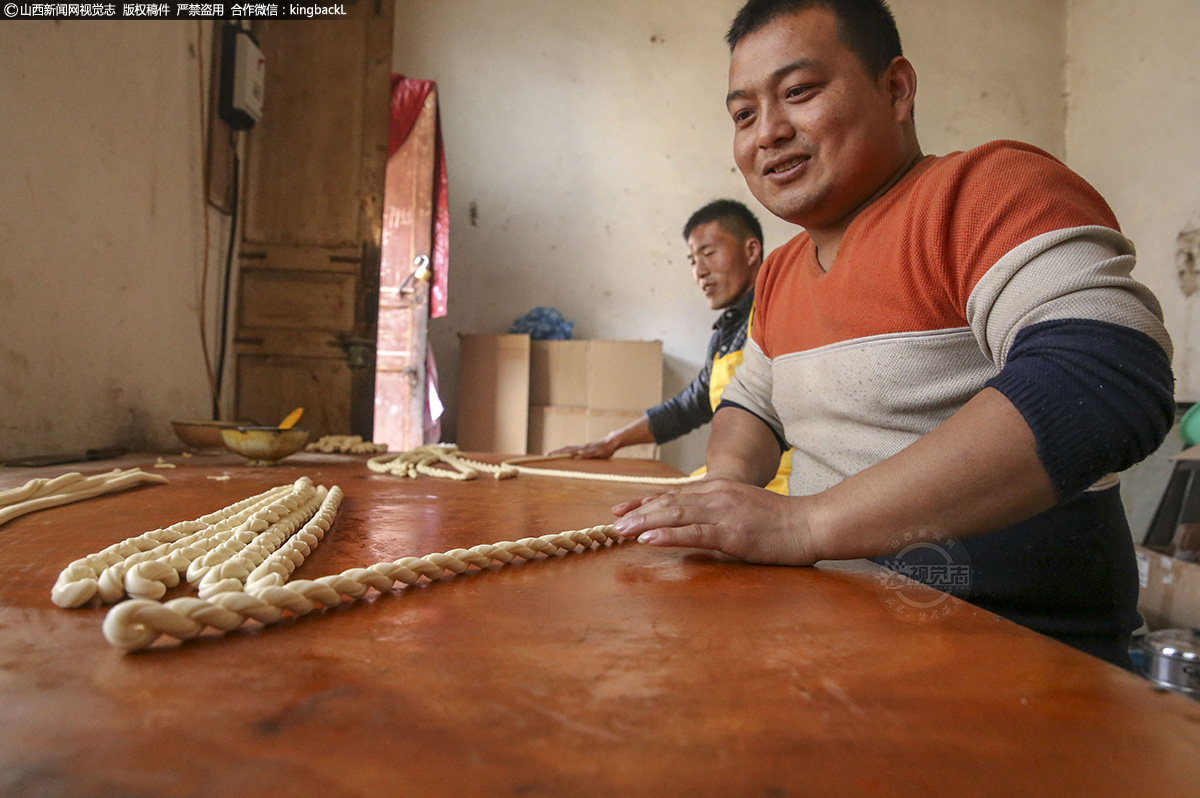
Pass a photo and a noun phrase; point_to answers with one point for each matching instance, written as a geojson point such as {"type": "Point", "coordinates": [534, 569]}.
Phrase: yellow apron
{"type": "Point", "coordinates": [722, 374]}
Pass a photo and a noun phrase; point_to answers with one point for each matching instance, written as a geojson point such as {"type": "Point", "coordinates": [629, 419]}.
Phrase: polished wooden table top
{"type": "Point", "coordinates": [623, 671]}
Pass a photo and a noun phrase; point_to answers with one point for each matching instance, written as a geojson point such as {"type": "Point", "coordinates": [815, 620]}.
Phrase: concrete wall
{"type": "Point", "coordinates": [102, 230]}
{"type": "Point", "coordinates": [580, 136]}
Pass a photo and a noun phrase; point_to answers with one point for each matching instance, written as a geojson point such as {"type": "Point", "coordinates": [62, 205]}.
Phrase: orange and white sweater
{"type": "Point", "coordinates": [997, 266]}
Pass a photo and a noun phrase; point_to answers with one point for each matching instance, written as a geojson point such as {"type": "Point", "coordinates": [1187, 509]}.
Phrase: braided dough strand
{"type": "Point", "coordinates": [42, 493]}
{"type": "Point", "coordinates": [136, 624]}
{"type": "Point", "coordinates": [104, 573]}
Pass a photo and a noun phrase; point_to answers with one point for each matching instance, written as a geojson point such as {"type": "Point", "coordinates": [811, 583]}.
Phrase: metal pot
{"type": "Point", "coordinates": [1174, 660]}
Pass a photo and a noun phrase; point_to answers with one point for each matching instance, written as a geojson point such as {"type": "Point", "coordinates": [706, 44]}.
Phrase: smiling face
{"type": "Point", "coordinates": [816, 136]}
{"type": "Point", "coordinates": [723, 265]}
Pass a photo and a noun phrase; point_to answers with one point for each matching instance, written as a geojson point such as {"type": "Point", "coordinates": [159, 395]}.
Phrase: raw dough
{"type": "Point", "coordinates": [41, 493]}
{"type": "Point", "coordinates": [136, 624]}
{"type": "Point", "coordinates": [421, 461]}
{"type": "Point", "coordinates": [345, 444]}
{"type": "Point", "coordinates": [102, 575]}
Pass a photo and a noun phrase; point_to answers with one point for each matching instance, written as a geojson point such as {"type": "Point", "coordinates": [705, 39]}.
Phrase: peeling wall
{"type": "Point", "coordinates": [102, 231]}
{"type": "Point", "coordinates": [1133, 130]}
{"type": "Point", "coordinates": [580, 136]}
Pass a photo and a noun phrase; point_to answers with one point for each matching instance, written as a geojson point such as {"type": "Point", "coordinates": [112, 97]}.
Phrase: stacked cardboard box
{"type": "Point", "coordinates": [535, 396]}
{"type": "Point", "coordinates": [1168, 570]}
{"type": "Point", "coordinates": [581, 390]}
{"type": "Point", "coordinates": [493, 393]}
{"type": "Point", "coordinates": [1170, 595]}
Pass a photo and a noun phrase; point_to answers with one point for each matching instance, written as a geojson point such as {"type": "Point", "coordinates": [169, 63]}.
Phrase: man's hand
{"type": "Point", "coordinates": [740, 520]}
{"type": "Point", "coordinates": [596, 450]}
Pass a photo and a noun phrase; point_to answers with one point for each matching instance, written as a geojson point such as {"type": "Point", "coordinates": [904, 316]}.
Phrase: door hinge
{"type": "Point", "coordinates": [360, 352]}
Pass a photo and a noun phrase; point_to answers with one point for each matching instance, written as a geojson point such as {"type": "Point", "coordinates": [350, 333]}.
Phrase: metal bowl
{"type": "Point", "coordinates": [203, 436]}
{"type": "Point", "coordinates": [1174, 660]}
{"type": "Point", "coordinates": [264, 445]}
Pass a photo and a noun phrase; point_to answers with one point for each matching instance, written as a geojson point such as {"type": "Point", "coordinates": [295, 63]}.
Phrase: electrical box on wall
{"type": "Point", "coordinates": [243, 72]}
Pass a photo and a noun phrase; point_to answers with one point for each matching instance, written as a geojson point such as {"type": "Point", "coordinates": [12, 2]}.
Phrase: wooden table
{"type": "Point", "coordinates": [623, 671]}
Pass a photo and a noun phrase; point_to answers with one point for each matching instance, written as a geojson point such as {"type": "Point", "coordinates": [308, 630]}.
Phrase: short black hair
{"type": "Point", "coordinates": [734, 217]}
{"type": "Point", "coordinates": [867, 27]}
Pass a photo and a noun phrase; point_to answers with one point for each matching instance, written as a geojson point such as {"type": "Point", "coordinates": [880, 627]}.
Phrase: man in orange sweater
{"type": "Point", "coordinates": [954, 346]}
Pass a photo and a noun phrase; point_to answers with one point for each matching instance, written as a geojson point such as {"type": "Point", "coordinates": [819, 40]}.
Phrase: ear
{"type": "Point", "coordinates": [753, 250]}
{"type": "Point", "coordinates": [901, 80]}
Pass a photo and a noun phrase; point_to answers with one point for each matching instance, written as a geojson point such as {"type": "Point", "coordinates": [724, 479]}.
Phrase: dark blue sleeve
{"type": "Point", "coordinates": [1098, 396]}
{"type": "Point", "coordinates": [685, 411]}
{"type": "Point", "coordinates": [783, 446]}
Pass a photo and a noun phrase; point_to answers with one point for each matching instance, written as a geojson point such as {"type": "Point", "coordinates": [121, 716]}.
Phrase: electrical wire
{"type": "Point", "coordinates": [212, 382]}
{"type": "Point", "coordinates": [233, 227]}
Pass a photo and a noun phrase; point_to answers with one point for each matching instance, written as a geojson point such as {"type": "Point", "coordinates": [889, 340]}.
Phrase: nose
{"type": "Point", "coordinates": [773, 126]}
{"type": "Point", "coordinates": [699, 268]}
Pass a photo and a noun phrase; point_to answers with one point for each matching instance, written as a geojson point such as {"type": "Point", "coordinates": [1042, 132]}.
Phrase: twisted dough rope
{"type": "Point", "coordinates": [42, 493]}
{"type": "Point", "coordinates": [273, 553]}
{"type": "Point", "coordinates": [136, 624]}
{"type": "Point", "coordinates": [146, 565]}
{"type": "Point", "coordinates": [421, 461]}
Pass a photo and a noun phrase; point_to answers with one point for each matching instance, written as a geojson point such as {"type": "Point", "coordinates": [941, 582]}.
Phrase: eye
{"type": "Point", "coordinates": [741, 115]}
{"type": "Point", "coordinates": [798, 92]}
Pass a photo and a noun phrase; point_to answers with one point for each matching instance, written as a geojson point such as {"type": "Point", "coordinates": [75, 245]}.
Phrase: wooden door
{"type": "Point", "coordinates": [309, 255]}
{"type": "Point", "coordinates": [403, 285]}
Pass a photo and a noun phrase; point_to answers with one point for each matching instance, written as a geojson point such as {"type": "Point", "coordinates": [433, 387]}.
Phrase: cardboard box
{"type": "Point", "coordinates": [522, 396]}
{"type": "Point", "coordinates": [1170, 590]}
{"type": "Point", "coordinates": [493, 396]}
{"type": "Point", "coordinates": [599, 374]}
{"type": "Point", "coordinates": [553, 427]}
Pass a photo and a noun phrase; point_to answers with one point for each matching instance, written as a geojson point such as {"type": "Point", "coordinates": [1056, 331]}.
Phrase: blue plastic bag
{"type": "Point", "coordinates": [544, 324]}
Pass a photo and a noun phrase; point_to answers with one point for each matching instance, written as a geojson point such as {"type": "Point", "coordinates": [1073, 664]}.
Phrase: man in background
{"type": "Point", "coordinates": [725, 249]}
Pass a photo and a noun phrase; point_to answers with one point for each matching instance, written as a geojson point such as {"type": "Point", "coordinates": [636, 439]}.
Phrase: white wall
{"type": "Point", "coordinates": [1133, 130]}
{"type": "Point", "coordinates": [102, 231]}
{"type": "Point", "coordinates": [986, 70]}
{"type": "Point", "coordinates": [584, 134]}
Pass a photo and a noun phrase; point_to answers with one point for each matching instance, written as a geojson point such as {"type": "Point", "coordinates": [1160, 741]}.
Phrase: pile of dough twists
{"type": "Point", "coordinates": [241, 557]}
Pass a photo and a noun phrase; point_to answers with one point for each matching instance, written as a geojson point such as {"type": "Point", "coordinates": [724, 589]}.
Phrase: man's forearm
{"type": "Point", "coordinates": [977, 472]}
{"type": "Point", "coordinates": [632, 434]}
{"type": "Point", "coordinates": [741, 447]}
